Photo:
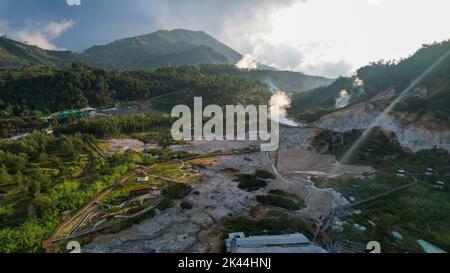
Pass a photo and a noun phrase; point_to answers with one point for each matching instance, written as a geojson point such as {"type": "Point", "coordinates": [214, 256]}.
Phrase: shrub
{"type": "Point", "coordinates": [279, 201]}
{"type": "Point", "coordinates": [186, 205]}
{"type": "Point", "coordinates": [251, 182]}
{"type": "Point", "coordinates": [178, 190]}
{"type": "Point", "coordinates": [264, 174]}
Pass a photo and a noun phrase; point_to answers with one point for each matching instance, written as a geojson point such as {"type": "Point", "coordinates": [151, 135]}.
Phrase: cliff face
{"type": "Point", "coordinates": [412, 133]}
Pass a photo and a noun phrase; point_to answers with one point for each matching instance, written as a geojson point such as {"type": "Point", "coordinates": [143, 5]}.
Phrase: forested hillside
{"type": "Point", "coordinates": [17, 54]}
{"type": "Point", "coordinates": [383, 76]}
{"type": "Point", "coordinates": [37, 88]}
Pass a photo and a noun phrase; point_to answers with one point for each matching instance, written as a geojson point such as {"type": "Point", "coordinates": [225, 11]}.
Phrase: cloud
{"type": "Point", "coordinates": [38, 34]}
{"type": "Point", "coordinates": [317, 37]}
{"type": "Point", "coordinates": [239, 24]}
{"type": "Point", "coordinates": [55, 29]}
{"type": "Point", "coordinates": [73, 2]}
{"type": "Point", "coordinates": [374, 2]}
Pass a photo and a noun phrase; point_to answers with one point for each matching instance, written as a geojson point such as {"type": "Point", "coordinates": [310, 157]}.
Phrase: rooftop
{"type": "Point", "coordinates": [288, 243]}
{"type": "Point", "coordinates": [272, 240]}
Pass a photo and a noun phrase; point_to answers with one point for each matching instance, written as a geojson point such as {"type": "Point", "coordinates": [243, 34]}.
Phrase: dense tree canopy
{"type": "Point", "coordinates": [34, 87]}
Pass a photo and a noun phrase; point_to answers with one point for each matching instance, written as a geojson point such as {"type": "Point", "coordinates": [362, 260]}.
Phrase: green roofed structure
{"type": "Point", "coordinates": [76, 113]}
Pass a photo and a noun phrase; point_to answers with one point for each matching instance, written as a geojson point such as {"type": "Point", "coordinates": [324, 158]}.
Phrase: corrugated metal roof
{"type": "Point", "coordinates": [289, 239]}
{"type": "Point", "coordinates": [278, 249]}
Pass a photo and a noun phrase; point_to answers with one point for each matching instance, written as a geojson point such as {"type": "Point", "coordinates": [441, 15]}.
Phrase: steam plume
{"type": "Point", "coordinates": [283, 101]}
{"type": "Point", "coordinates": [248, 61]}
{"type": "Point", "coordinates": [357, 82]}
{"type": "Point", "coordinates": [343, 100]}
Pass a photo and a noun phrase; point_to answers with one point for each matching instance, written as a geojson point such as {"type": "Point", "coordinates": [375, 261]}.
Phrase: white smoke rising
{"type": "Point", "coordinates": [283, 101]}
{"type": "Point", "coordinates": [358, 87]}
{"type": "Point", "coordinates": [248, 61]}
{"type": "Point", "coordinates": [357, 82]}
{"type": "Point", "coordinates": [343, 100]}
{"type": "Point", "coordinates": [73, 2]}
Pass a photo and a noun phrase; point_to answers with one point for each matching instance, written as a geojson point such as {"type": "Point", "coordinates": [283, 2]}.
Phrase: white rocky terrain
{"type": "Point", "coordinates": [413, 135]}
{"type": "Point", "coordinates": [115, 145]}
{"type": "Point", "coordinates": [217, 197]}
{"type": "Point", "coordinates": [175, 230]}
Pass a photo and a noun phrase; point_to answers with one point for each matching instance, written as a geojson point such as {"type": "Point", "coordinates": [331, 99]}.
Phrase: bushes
{"type": "Point", "coordinates": [80, 86]}
{"type": "Point", "coordinates": [279, 224]}
{"type": "Point", "coordinates": [250, 182]}
{"type": "Point", "coordinates": [166, 203]}
{"type": "Point", "coordinates": [264, 174]}
{"type": "Point", "coordinates": [254, 182]}
{"type": "Point", "coordinates": [40, 199]}
{"type": "Point", "coordinates": [27, 238]}
{"type": "Point", "coordinates": [178, 190]}
{"type": "Point", "coordinates": [186, 205]}
{"type": "Point", "coordinates": [281, 199]}
{"type": "Point", "coordinates": [103, 127]}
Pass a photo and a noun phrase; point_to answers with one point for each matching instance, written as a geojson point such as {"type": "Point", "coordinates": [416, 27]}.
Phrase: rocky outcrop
{"type": "Point", "coordinates": [412, 135]}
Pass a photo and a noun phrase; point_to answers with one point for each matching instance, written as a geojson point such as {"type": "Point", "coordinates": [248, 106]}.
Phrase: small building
{"type": "Point", "coordinates": [48, 131]}
{"type": "Point", "coordinates": [401, 173]}
{"type": "Point", "coordinates": [338, 225]}
{"type": "Point", "coordinates": [430, 248]}
{"type": "Point", "coordinates": [360, 227]}
{"type": "Point", "coordinates": [76, 113]}
{"type": "Point", "coordinates": [289, 243]}
{"type": "Point", "coordinates": [155, 193]}
{"type": "Point", "coordinates": [429, 172]}
{"type": "Point", "coordinates": [142, 176]}
{"type": "Point", "coordinates": [397, 235]}
{"type": "Point", "coordinates": [366, 176]}
{"type": "Point", "coordinates": [357, 212]}
{"type": "Point", "coordinates": [47, 244]}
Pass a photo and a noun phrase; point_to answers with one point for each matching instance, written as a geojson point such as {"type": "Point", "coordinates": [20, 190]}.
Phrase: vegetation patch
{"type": "Point", "coordinates": [178, 190]}
{"type": "Point", "coordinates": [35, 199]}
{"type": "Point", "coordinates": [419, 212]}
{"type": "Point", "coordinates": [250, 182]}
{"type": "Point", "coordinates": [275, 224]}
{"type": "Point", "coordinates": [281, 199]}
{"type": "Point", "coordinates": [264, 174]}
{"type": "Point", "coordinates": [186, 205]}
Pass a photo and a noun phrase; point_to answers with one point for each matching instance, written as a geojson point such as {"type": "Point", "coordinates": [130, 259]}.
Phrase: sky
{"type": "Point", "coordinates": [320, 37]}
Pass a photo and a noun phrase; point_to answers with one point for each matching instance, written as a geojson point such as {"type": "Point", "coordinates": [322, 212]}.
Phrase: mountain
{"type": "Point", "coordinates": [157, 50]}
{"type": "Point", "coordinates": [16, 54]}
{"type": "Point", "coordinates": [161, 49]}
{"type": "Point", "coordinates": [385, 81]}
{"type": "Point", "coordinates": [420, 116]}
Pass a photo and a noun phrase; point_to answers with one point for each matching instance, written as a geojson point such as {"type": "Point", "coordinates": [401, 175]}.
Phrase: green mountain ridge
{"type": "Point", "coordinates": [381, 78]}
{"type": "Point", "coordinates": [16, 54]}
{"type": "Point", "coordinates": [161, 49]}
